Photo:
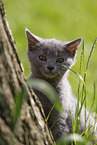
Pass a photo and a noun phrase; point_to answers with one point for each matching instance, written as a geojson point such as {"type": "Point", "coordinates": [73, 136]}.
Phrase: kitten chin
{"type": "Point", "coordinates": [50, 75]}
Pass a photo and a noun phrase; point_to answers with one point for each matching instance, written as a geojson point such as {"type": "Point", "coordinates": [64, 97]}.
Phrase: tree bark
{"type": "Point", "coordinates": [31, 128]}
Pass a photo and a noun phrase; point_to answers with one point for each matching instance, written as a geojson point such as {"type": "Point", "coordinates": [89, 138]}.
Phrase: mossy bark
{"type": "Point", "coordinates": [31, 128]}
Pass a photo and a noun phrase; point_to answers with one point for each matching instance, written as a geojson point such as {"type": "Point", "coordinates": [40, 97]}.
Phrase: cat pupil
{"type": "Point", "coordinates": [60, 60]}
{"type": "Point", "coordinates": [42, 58]}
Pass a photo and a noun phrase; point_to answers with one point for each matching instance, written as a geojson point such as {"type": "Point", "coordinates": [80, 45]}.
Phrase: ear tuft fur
{"type": "Point", "coordinates": [72, 46]}
{"type": "Point", "coordinates": [32, 40]}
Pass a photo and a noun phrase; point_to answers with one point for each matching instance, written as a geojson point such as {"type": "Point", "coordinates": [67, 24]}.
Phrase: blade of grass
{"type": "Point", "coordinates": [87, 131]}
{"type": "Point", "coordinates": [85, 107]}
{"type": "Point", "coordinates": [50, 112]}
{"type": "Point", "coordinates": [54, 122]}
{"type": "Point", "coordinates": [84, 71]}
{"type": "Point", "coordinates": [78, 101]}
{"type": "Point", "coordinates": [75, 73]}
{"type": "Point", "coordinates": [82, 103]}
{"type": "Point", "coordinates": [73, 127]}
{"type": "Point", "coordinates": [92, 103]}
{"type": "Point", "coordinates": [83, 50]}
{"type": "Point", "coordinates": [18, 105]}
{"type": "Point", "coordinates": [77, 108]}
{"type": "Point", "coordinates": [91, 53]}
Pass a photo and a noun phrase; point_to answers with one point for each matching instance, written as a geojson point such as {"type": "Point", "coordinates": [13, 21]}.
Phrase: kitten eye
{"type": "Point", "coordinates": [42, 58]}
{"type": "Point", "coordinates": [60, 60]}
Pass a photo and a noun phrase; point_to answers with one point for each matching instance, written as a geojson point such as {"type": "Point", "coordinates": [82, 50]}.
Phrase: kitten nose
{"type": "Point", "coordinates": [50, 68]}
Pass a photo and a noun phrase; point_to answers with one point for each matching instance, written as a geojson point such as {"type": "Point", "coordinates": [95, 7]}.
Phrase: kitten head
{"type": "Point", "coordinates": [48, 57]}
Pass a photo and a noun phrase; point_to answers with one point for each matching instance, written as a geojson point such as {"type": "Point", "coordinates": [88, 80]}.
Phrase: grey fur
{"type": "Point", "coordinates": [53, 49]}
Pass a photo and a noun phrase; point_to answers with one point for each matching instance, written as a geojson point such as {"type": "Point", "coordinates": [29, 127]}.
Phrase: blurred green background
{"type": "Point", "coordinates": [61, 19]}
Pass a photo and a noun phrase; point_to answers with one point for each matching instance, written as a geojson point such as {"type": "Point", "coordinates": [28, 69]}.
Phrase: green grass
{"type": "Point", "coordinates": [62, 19]}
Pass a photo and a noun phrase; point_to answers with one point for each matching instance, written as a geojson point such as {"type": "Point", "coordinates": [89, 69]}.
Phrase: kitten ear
{"type": "Point", "coordinates": [72, 46]}
{"type": "Point", "coordinates": [32, 40]}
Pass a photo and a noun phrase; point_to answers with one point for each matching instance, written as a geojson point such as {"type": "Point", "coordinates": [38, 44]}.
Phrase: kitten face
{"type": "Point", "coordinates": [48, 56]}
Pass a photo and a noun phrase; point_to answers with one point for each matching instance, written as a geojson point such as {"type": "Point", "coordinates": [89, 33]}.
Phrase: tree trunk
{"type": "Point", "coordinates": [31, 128]}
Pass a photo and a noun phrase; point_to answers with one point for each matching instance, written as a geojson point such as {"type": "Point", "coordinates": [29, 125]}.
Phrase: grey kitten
{"type": "Point", "coordinates": [47, 57]}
